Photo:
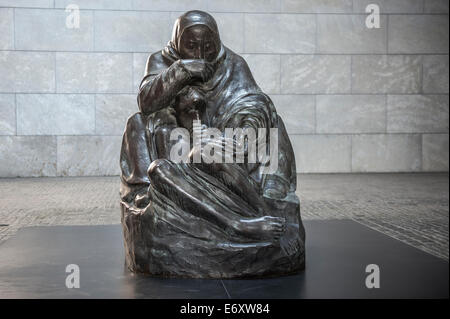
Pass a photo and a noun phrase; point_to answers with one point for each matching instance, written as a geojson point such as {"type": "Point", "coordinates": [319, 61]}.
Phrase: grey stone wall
{"type": "Point", "coordinates": [354, 99]}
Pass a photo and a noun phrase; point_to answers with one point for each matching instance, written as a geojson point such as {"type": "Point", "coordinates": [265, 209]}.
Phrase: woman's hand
{"type": "Point", "coordinates": [198, 69]}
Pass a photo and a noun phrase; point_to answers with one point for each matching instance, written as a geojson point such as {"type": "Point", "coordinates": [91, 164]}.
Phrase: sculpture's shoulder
{"type": "Point", "coordinates": [155, 63]}
{"type": "Point", "coordinates": [235, 58]}
{"type": "Point", "coordinates": [156, 57]}
{"type": "Point", "coordinates": [241, 71]}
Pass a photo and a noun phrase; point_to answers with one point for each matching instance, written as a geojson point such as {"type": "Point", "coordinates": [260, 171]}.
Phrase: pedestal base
{"type": "Point", "coordinates": [33, 264]}
{"type": "Point", "coordinates": [162, 241]}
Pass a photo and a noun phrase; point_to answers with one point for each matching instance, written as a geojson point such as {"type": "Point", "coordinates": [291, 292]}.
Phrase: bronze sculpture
{"type": "Point", "coordinates": [206, 219]}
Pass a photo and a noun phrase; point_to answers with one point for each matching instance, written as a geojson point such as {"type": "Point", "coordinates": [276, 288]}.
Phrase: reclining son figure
{"type": "Point", "coordinates": [202, 218]}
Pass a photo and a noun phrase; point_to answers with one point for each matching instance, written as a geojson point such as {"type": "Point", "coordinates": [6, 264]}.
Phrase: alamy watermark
{"type": "Point", "coordinates": [373, 279]}
{"type": "Point", "coordinates": [73, 279]}
{"type": "Point", "coordinates": [373, 19]}
{"type": "Point", "coordinates": [73, 18]}
{"type": "Point", "coordinates": [234, 145]}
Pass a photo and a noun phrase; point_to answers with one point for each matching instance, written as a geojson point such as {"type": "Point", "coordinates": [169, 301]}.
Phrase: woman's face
{"type": "Point", "coordinates": [197, 42]}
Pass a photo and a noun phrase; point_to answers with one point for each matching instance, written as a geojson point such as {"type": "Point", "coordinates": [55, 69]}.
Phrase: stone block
{"type": "Point", "coordinates": [27, 156]}
{"type": "Point", "coordinates": [55, 114]}
{"type": "Point", "coordinates": [173, 5]}
{"type": "Point", "coordinates": [339, 33]}
{"type": "Point", "coordinates": [7, 114]}
{"type": "Point", "coordinates": [435, 74]}
{"type": "Point", "coordinates": [43, 29]}
{"type": "Point", "coordinates": [6, 29]}
{"type": "Point", "coordinates": [27, 3]}
{"type": "Point", "coordinates": [386, 74]}
{"type": "Point", "coordinates": [316, 6]}
{"type": "Point", "coordinates": [97, 4]}
{"type": "Point", "coordinates": [436, 6]}
{"type": "Point", "coordinates": [132, 31]}
{"type": "Point", "coordinates": [351, 113]}
{"type": "Point", "coordinates": [244, 6]}
{"type": "Point", "coordinates": [417, 113]}
{"type": "Point", "coordinates": [322, 153]}
{"type": "Point", "coordinates": [112, 112]}
{"type": "Point", "coordinates": [88, 155]}
{"type": "Point", "coordinates": [386, 153]}
{"type": "Point", "coordinates": [315, 74]}
{"type": "Point", "coordinates": [390, 6]}
{"type": "Point", "coordinates": [27, 71]}
{"type": "Point", "coordinates": [435, 152]}
{"type": "Point", "coordinates": [94, 72]}
{"type": "Point", "coordinates": [280, 33]}
{"type": "Point", "coordinates": [418, 34]}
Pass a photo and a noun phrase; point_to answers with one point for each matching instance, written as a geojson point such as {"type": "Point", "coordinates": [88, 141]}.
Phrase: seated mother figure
{"type": "Point", "coordinates": [217, 220]}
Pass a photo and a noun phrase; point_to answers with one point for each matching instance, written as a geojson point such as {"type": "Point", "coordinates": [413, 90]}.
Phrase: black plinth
{"type": "Point", "coordinates": [33, 263]}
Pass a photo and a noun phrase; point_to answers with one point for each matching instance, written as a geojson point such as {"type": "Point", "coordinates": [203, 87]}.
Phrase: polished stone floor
{"type": "Point", "coordinates": [413, 208]}
{"type": "Point", "coordinates": [33, 265]}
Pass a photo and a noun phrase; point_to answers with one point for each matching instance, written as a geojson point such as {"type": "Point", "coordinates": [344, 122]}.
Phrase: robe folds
{"type": "Point", "coordinates": [166, 237]}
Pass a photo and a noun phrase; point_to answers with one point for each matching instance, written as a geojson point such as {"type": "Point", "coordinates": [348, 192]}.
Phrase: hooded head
{"type": "Point", "coordinates": [195, 36]}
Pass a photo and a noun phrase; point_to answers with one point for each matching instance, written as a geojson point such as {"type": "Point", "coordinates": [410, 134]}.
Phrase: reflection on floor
{"type": "Point", "coordinates": [33, 265]}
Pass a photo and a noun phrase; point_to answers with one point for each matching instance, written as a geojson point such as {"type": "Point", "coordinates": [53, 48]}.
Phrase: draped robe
{"type": "Point", "coordinates": [166, 237]}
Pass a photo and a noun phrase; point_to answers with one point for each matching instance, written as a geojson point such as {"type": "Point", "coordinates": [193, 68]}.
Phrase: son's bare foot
{"type": "Point", "coordinates": [266, 227]}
